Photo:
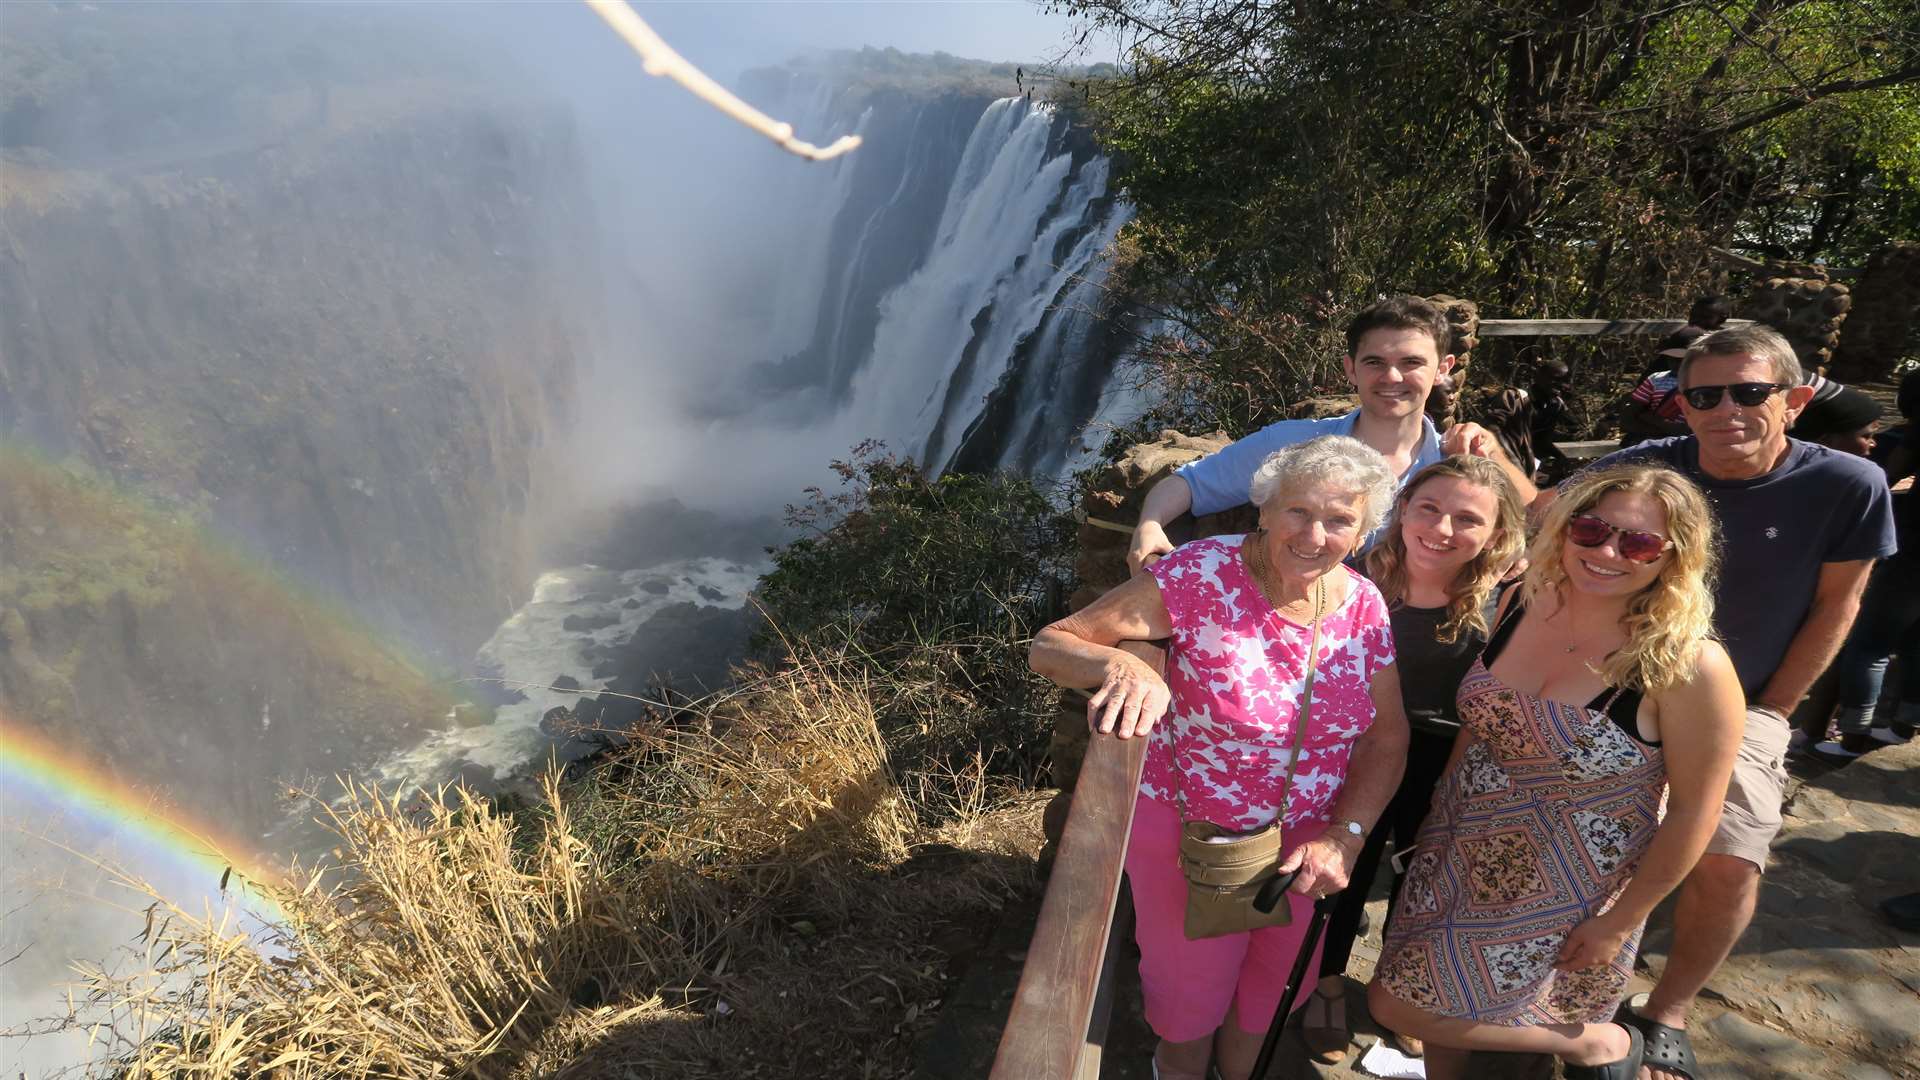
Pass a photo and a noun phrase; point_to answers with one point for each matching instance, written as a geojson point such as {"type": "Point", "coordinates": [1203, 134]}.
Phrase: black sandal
{"type": "Point", "coordinates": [1667, 1048]}
{"type": "Point", "coordinates": [1627, 1068]}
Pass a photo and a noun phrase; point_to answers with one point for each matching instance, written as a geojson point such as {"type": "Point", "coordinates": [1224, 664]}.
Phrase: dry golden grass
{"type": "Point", "coordinates": [746, 890]}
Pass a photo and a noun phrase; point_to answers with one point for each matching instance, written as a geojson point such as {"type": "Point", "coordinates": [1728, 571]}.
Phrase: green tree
{"type": "Point", "coordinates": [1560, 159]}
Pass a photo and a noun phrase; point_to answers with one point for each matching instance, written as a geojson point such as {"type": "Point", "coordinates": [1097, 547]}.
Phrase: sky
{"type": "Point", "coordinates": [1012, 30]}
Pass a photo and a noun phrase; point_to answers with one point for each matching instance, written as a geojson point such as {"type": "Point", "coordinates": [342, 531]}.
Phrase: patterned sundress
{"type": "Point", "coordinates": [1235, 673]}
{"type": "Point", "coordinates": [1538, 827]}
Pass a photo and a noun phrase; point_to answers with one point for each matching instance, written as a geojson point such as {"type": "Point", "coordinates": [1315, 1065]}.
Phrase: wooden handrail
{"type": "Point", "coordinates": [1583, 327]}
{"type": "Point", "coordinates": [1058, 1022]}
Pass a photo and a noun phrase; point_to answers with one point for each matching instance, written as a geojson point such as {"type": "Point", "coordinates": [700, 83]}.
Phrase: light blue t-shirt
{"type": "Point", "coordinates": [1220, 480]}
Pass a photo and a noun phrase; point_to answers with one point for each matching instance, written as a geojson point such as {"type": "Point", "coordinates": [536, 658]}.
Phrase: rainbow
{"type": "Point", "coordinates": [36, 771]}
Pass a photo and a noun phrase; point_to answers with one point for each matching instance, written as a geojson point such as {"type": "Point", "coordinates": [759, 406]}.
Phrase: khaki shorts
{"type": "Point", "coordinates": [1755, 796]}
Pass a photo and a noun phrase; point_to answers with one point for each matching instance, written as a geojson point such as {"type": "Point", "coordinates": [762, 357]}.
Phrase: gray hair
{"type": "Point", "coordinates": [1337, 460]}
{"type": "Point", "coordinates": [1759, 342]}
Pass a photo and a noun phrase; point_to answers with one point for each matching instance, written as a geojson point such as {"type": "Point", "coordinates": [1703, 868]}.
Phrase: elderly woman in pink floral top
{"type": "Point", "coordinates": [1239, 611]}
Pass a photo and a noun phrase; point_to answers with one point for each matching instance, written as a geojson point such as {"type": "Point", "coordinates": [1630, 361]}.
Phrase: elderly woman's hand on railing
{"type": "Point", "coordinates": [1131, 698]}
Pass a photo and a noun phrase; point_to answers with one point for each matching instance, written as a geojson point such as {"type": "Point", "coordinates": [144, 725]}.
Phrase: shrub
{"type": "Point", "coordinates": [933, 588]}
{"type": "Point", "coordinates": [744, 892]}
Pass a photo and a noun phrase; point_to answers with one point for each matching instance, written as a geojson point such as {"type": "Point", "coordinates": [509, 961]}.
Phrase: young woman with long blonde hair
{"type": "Point", "coordinates": [1457, 528]}
{"type": "Point", "coordinates": [1601, 692]}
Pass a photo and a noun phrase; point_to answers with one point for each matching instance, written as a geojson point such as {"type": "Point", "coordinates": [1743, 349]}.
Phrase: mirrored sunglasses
{"type": "Point", "coordinates": [1641, 547]}
{"type": "Point", "coordinates": [1746, 394]}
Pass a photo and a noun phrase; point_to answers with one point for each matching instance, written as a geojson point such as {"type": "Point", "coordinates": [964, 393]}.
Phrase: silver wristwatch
{"type": "Point", "coordinates": [1350, 827]}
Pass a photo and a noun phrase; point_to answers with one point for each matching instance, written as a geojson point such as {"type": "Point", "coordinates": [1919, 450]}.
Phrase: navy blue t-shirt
{"type": "Point", "coordinates": [1777, 530]}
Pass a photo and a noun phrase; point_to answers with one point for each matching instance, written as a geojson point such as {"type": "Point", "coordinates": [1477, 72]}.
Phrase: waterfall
{"type": "Point", "coordinates": [1022, 232]}
{"type": "Point", "coordinates": [943, 289]}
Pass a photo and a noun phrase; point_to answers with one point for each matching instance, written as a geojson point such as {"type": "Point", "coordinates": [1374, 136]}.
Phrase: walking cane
{"type": "Point", "coordinates": [1316, 924]}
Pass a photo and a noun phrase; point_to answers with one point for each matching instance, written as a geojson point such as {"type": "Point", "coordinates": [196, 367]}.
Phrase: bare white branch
{"type": "Point", "coordinates": [660, 59]}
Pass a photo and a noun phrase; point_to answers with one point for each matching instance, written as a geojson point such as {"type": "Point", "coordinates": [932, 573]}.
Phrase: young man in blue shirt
{"type": "Point", "coordinates": [1801, 526]}
{"type": "Point", "coordinates": [1396, 349]}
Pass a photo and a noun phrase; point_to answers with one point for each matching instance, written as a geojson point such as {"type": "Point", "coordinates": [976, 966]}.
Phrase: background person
{"type": "Point", "coordinates": [1889, 620]}
{"type": "Point", "coordinates": [1395, 351]}
{"type": "Point", "coordinates": [1239, 611]}
{"type": "Point", "coordinates": [1652, 409]}
{"type": "Point", "coordinates": [1710, 312]}
{"type": "Point", "coordinates": [1546, 848]}
{"type": "Point", "coordinates": [1846, 420]}
{"type": "Point", "coordinates": [1456, 528]}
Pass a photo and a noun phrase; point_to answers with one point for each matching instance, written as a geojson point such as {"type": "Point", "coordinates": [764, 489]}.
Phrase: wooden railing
{"type": "Point", "coordinates": [1584, 327]}
{"type": "Point", "coordinates": [1058, 1025]}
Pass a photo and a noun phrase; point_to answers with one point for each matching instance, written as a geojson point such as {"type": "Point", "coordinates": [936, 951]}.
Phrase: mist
{"type": "Point", "coordinates": [712, 243]}
{"type": "Point", "coordinates": [332, 332]}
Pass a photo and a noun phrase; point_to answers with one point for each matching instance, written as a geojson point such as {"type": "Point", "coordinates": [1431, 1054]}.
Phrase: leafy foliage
{"type": "Point", "coordinates": [932, 588]}
{"type": "Point", "coordinates": [1568, 160]}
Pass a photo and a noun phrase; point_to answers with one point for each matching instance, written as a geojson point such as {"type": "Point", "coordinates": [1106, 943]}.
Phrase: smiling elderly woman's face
{"type": "Point", "coordinates": [1311, 526]}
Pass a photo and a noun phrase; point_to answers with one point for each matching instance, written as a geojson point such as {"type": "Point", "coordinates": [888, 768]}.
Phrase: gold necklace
{"type": "Point", "coordinates": [1568, 649]}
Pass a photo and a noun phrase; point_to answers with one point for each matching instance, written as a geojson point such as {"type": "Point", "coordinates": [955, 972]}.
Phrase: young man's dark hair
{"type": "Point", "coordinates": [1711, 312]}
{"type": "Point", "coordinates": [1401, 312]}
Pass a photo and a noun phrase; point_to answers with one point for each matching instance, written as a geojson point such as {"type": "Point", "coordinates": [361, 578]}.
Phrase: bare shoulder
{"type": "Point", "coordinates": [1712, 664]}
{"type": "Point", "coordinates": [1711, 687]}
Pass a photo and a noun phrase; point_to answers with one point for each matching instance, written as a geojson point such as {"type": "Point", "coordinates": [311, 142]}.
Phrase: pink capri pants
{"type": "Point", "coordinates": [1189, 985]}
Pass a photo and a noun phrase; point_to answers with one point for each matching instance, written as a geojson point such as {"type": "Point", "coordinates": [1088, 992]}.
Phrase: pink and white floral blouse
{"type": "Point", "coordinates": [1235, 673]}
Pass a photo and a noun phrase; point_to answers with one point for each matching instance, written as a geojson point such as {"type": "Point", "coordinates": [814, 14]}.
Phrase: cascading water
{"type": "Point", "coordinates": [1007, 298]}
{"type": "Point", "coordinates": [805, 249]}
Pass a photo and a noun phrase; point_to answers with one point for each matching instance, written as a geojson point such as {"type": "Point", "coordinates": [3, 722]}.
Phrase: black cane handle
{"type": "Point", "coordinates": [1269, 895]}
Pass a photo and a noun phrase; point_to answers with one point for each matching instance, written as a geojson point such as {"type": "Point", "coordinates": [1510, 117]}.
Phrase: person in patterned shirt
{"type": "Point", "coordinates": [1239, 611]}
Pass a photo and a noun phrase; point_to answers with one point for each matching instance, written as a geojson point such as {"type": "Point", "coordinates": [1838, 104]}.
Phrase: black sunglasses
{"type": "Point", "coordinates": [1745, 394]}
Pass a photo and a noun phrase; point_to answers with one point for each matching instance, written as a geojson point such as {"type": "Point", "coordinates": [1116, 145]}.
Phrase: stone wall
{"type": "Point", "coordinates": [1808, 311]}
{"type": "Point", "coordinates": [1885, 302]}
{"type": "Point", "coordinates": [1463, 316]}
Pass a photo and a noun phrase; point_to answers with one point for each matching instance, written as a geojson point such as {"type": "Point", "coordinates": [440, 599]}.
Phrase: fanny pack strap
{"type": "Point", "coordinates": [1305, 715]}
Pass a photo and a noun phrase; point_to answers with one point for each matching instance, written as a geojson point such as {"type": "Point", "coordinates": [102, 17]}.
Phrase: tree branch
{"type": "Point", "coordinates": [1908, 74]}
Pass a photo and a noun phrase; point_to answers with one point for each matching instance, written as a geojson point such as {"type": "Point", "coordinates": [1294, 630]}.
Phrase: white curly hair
{"type": "Point", "coordinates": [1340, 461]}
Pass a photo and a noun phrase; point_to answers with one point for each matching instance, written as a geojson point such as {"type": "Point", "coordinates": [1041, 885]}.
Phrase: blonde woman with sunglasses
{"type": "Point", "coordinates": [1601, 694]}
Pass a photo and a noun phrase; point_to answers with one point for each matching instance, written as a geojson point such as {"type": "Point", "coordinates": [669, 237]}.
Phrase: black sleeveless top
{"type": "Point", "coordinates": [1621, 703]}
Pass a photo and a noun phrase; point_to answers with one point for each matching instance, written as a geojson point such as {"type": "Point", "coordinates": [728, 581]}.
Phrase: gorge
{"type": "Point", "coordinates": [301, 399]}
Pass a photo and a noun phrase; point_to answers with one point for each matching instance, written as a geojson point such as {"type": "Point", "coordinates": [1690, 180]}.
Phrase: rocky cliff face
{"type": "Point", "coordinates": [251, 385]}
